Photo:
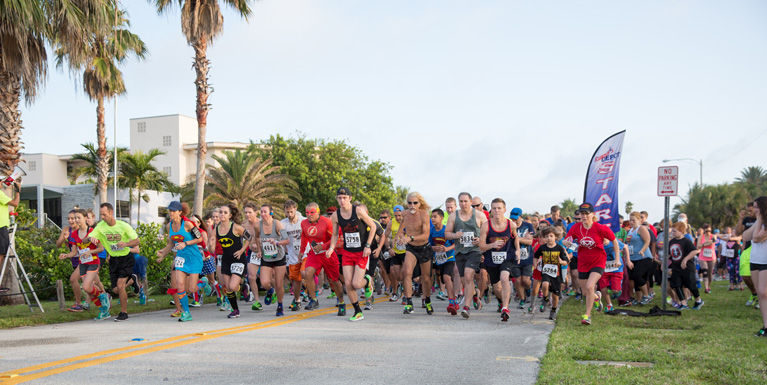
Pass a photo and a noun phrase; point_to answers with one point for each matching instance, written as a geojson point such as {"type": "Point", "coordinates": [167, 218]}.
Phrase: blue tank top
{"type": "Point", "coordinates": [437, 238]}
{"type": "Point", "coordinates": [495, 257]}
{"type": "Point", "coordinates": [635, 243]}
{"type": "Point", "coordinates": [180, 236]}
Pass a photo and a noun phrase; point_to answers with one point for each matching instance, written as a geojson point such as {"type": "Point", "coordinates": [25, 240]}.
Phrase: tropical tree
{"type": "Point", "coordinates": [629, 208]}
{"type": "Point", "coordinates": [137, 172]}
{"type": "Point", "coordinates": [568, 207]}
{"type": "Point", "coordinates": [754, 180]}
{"type": "Point", "coordinates": [241, 177]}
{"type": "Point", "coordinates": [102, 79]}
{"type": "Point", "coordinates": [91, 157]}
{"type": "Point", "coordinates": [201, 22]}
{"type": "Point", "coordinates": [718, 205]}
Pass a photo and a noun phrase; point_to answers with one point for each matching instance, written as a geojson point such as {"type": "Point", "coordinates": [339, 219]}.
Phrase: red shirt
{"type": "Point", "coordinates": [591, 249]}
{"type": "Point", "coordinates": [320, 232]}
{"type": "Point", "coordinates": [80, 245]}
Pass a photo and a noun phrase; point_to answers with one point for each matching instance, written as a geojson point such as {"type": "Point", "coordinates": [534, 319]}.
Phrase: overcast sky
{"type": "Point", "coordinates": [498, 98]}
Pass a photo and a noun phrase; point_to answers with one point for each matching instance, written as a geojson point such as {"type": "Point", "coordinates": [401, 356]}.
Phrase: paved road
{"type": "Point", "coordinates": [304, 347]}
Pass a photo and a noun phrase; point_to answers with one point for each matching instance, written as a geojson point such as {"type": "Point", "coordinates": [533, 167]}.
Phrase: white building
{"type": "Point", "coordinates": [47, 188]}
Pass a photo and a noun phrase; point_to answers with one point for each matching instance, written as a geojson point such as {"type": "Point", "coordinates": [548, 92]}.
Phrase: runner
{"type": "Point", "coordinates": [292, 225]}
{"type": "Point", "coordinates": [414, 232]}
{"type": "Point", "coordinates": [731, 254]}
{"type": "Point", "coordinates": [591, 254]}
{"type": "Point", "coordinates": [610, 284]}
{"type": "Point", "coordinates": [89, 263]}
{"type": "Point", "coordinates": [215, 248]}
{"type": "Point", "coordinates": [681, 252]}
{"type": "Point", "coordinates": [273, 238]}
{"type": "Point", "coordinates": [117, 237]}
{"type": "Point", "coordinates": [638, 241]}
{"type": "Point", "coordinates": [522, 272]}
{"type": "Point", "coordinates": [316, 234]}
{"type": "Point", "coordinates": [208, 264]}
{"type": "Point", "coordinates": [707, 256]}
{"type": "Point", "coordinates": [74, 279]}
{"type": "Point", "coordinates": [747, 219]}
{"type": "Point", "coordinates": [384, 262]}
{"type": "Point", "coordinates": [451, 205]}
{"type": "Point", "coordinates": [757, 234]}
{"type": "Point", "coordinates": [375, 250]}
{"type": "Point", "coordinates": [183, 238]}
{"type": "Point", "coordinates": [476, 203]}
{"type": "Point", "coordinates": [444, 257]}
{"type": "Point", "coordinates": [552, 257]}
{"type": "Point", "coordinates": [232, 249]}
{"type": "Point", "coordinates": [499, 241]}
{"type": "Point", "coordinates": [251, 225]}
{"type": "Point", "coordinates": [464, 226]}
{"type": "Point", "coordinates": [397, 250]}
{"type": "Point", "coordinates": [351, 222]}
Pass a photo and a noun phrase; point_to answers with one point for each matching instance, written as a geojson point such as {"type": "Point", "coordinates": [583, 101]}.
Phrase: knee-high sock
{"type": "Point", "coordinates": [95, 296]}
{"type": "Point", "coordinates": [184, 300]}
{"type": "Point", "coordinates": [232, 299]}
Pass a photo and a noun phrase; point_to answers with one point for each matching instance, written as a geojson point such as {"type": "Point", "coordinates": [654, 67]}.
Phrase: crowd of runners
{"type": "Point", "coordinates": [469, 254]}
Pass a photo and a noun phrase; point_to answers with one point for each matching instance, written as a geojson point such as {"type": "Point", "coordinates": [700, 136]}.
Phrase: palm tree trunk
{"type": "Point", "coordinates": [10, 147]}
{"type": "Point", "coordinates": [201, 64]}
{"type": "Point", "coordinates": [102, 164]}
{"type": "Point", "coordinates": [138, 209]}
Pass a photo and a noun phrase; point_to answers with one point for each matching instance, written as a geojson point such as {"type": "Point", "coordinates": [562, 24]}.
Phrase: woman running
{"type": "Point", "coordinates": [706, 243]}
{"type": "Point", "coordinates": [757, 234]}
{"type": "Point", "coordinates": [272, 239]}
{"type": "Point", "coordinates": [208, 263]}
{"type": "Point", "coordinates": [74, 279]}
{"type": "Point", "coordinates": [229, 234]}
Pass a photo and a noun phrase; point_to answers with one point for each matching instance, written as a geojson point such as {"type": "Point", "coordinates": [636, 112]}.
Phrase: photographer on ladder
{"type": "Point", "coordinates": [8, 190]}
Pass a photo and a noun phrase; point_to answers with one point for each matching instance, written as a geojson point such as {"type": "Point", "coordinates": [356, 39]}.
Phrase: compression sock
{"type": "Point", "coordinates": [95, 296]}
{"type": "Point", "coordinates": [232, 296]}
{"type": "Point", "coordinates": [196, 295]}
{"type": "Point", "coordinates": [357, 307]}
{"type": "Point", "coordinates": [184, 300]}
{"type": "Point", "coordinates": [428, 299]}
{"type": "Point", "coordinates": [410, 301]}
{"type": "Point", "coordinates": [218, 290]}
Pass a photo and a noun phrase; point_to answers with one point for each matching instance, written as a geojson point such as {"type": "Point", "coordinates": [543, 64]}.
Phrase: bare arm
{"type": "Point", "coordinates": [334, 238]}
{"type": "Point", "coordinates": [483, 245]}
{"type": "Point", "coordinates": [449, 234]}
{"type": "Point", "coordinates": [644, 233]}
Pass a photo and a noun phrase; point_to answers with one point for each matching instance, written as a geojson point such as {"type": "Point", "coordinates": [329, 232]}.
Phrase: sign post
{"type": "Point", "coordinates": [668, 186]}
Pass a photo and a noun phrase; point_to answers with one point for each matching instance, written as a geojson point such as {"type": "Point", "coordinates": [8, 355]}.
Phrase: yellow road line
{"type": "Point", "coordinates": [98, 358]}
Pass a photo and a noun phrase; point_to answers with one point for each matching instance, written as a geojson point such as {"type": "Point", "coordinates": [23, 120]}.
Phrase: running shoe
{"type": "Point", "coordinates": [540, 294]}
{"type": "Point", "coordinates": [707, 291]}
{"type": "Point", "coordinates": [369, 286]}
{"type": "Point", "coordinates": [85, 305]}
{"type": "Point", "coordinates": [698, 305]}
{"type": "Point", "coordinates": [103, 314]}
{"type": "Point", "coordinates": [645, 300]}
{"type": "Point", "coordinates": [608, 308]}
{"type": "Point", "coordinates": [76, 308]}
{"type": "Point", "coordinates": [452, 309]}
{"type": "Point", "coordinates": [256, 306]}
{"type": "Point", "coordinates": [279, 312]}
{"type": "Point", "coordinates": [185, 317]}
{"type": "Point", "coordinates": [669, 300]}
{"type": "Point", "coordinates": [757, 305]}
{"type": "Point", "coordinates": [342, 310]}
{"type": "Point", "coordinates": [357, 317]}
{"type": "Point", "coordinates": [105, 302]}
{"type": "Point", "coordinates": [465, 312]}
{"type": "Point", "coordinates": [274, 298]}
{"type": "Point", "coordinates": [578, 296]}
{"type": "Point", "coordinates": [429, 309]}
{"type": "Point", "coordinates": [207, 289]}
{"type": "Point", "coordinates": [553, 315]}
{"type": "Point", "coordinates": [234, 314]}
{"type": "Point", "coordinates": [423, 303]}
{"type": "Point", "coordinates": [251, 296]}
{"type": "Point", "coordinates": [218, 302]}
{"type": "Point", "coordinates": [393, 297]}
{"type": "Point", "coordinates": [176, 314]}
{"type": "Point", "coordinates": [505, 314]}
{"type": "Point", "coordinates": [761, 333]}
{"type": "Point", "coordinates": [522, 304]}
{"type": "Point", "coordinates": [571, 293]}
{"type": "Point", "coordinates": [195, 304]}
{"type": "Point", "coordinates": [541, 307]}
{"type": "Point", "coordinates": [475, 301]}
{"type": "Point", "coordinates": [441, 295]}
{"type": "Point", "coordinates": [313, 304]}
{"type": "Point", "coordinates": [459, 299]}
{"type": "Point", "coordinates": [500, 307]}
{"type": "Point", "coordinates": [634, 302]}
{"type": "Point", "coordinates": [368, 306]}
{"type": "Point", "coordinates": [684, 307]}
{"type": "Point", "coordinates": [404, 301]}
{"type": "Point", "coordinates": [333, 295]}
{"type": "Point", "coordinates": [598, 301]}
{"type": "Point", "coordinates": [136, 286]}
{"type": "Point", "coordinates": [530, 308]}
{"type": "Point", "coordinates": [751, 300]}
{"type": "Point", "coordinates": [585, 320]}
{"type": "Point", "coordinates": [268, 297]}
{"type": "Point", "coordinates": [294, 306]}
{"type": "Point", "coordinates": [172, 302]}
{"type": "Point", "coordinates": [121, 317]}
{"type": "Point", "coordinates": [408, 309]}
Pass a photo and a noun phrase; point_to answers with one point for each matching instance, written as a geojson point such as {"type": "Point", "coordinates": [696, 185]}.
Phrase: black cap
{"type": "Point", "coordinates": [587, 207]}
{"type": "Point", "coordinates": [175, 206]}
{"type": "Point", "coordinates": [343, 191]}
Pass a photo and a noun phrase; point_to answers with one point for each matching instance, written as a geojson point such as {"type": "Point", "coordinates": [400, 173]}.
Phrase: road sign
{"type": "Point", "coordinates": [668, 181]}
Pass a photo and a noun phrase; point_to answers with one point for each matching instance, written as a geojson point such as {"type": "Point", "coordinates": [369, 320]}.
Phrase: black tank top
{"type": "Point", "coordinates": [494, 256]}
{"type": "Point", "coordinates": [353, 231]}
{"type": "Point", "coordinates": [229, 242]}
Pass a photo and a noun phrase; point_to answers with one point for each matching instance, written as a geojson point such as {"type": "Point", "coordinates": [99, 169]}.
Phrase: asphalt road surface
{"type": "Point", "coordinates": [318, 347]}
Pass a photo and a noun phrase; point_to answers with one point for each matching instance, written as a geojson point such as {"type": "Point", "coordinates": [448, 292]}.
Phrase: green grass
{"type": "Point", "coordinates": [714, 345]}
{"type": "Point", "coordinates": [19, 315]}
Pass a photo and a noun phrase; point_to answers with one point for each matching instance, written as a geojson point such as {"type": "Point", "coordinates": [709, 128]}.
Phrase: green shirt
{"type": "Point", "coordinates": [621, 234]}
{"type": "Point", "coordinates": [4, 219]}
{"type": "Point", "coordinates": [111, 235]}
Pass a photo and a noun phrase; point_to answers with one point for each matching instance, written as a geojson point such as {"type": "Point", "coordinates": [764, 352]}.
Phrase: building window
{"type": "Point", "coordinates": [123, 209]}
{"type": "Point", "coordinates": [32, 165]}
{"type": "Point", "coordinates": [141, 126]}
{"type": "Point", "coordinates": [166, 140]}
{"type": "Point", "coordinates": [166, 170]}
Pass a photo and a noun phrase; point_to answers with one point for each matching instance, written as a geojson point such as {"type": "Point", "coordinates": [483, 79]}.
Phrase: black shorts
{"type": "Point", "coordinates": [521, 270]}
{"type": "Point", "coordinates": [5, 240]}
{"type": "Point", "coordinates": [640, 272]}
{"type": "Point", "coordinates": [86, 268]}
{"type": "Point", "coordinates": [574, 263]}
{"type": "Point", "coordinates": [494, 271]}
{"type": "Point", "coordinates": [555, 283]}
{"type": "Point", "coordinates": [273, 264]}
{"type": "Point", "coordinates": [416, 270]}
{"type": "Point", "coordinates": [387, 265]}
{"type": "Point", "coordinates": [758, 266]}
{"type": "Point", "coordinates": [588, 273]}
{"type": "Point", "coordinates": [470, 260]}
{"type": "Point", "coordinates": [121, 267]}
{"type": "Point", "coordinates": [422, 253]}
{"type": "Point", "coordinates": [398, 259]}
{"type": "Point", "coordinates": [446, 268]}
{"type": "Point", "coordinates": [372, 265]}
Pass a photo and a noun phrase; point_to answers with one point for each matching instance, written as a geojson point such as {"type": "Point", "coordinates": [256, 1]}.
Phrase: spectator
{"type": "Point", "coordinates": [5, 219]}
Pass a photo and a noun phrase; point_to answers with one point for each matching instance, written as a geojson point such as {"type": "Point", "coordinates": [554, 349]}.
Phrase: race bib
{"type": "Point", "coordinates": [178, 262]}
{"type": "Point", "coordinates": [218, 260]}
{"type": "Point", "coordinates": [237, 268]}
{"type": "Point", "coordinates": [708, 253]}
{"type": "Point", "coordinates": [729, 253]}
{"type": "Point", "coordinates": [523, 253]}
{"type": "Point", "coordinates": [467, 239]}
{"type": "Point", "coordinates": [550, 270]}
{"type": "Point", "coordinates": [84, 258]}
{"type": "Point", "coordinates": [386, 255]}
{"type": "Point", "coordinates": [255, 259]}
{"type": "Point", "coordinates": [440, 257]}
{"type": "Point", "coordinates": [631, 250]}
{"type": "Point", "coordinates": [114, 247]}
{"type": "Point", "coordinates": [296, 248]}
{"type": "Point", "coordinates": [270, 250]}
{"type": "Point", "coordinates": [352, 240]}
{"type": "Point", "coordinates": [498, 257]}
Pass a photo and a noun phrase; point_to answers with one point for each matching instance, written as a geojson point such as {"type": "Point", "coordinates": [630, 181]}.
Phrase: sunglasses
{"type": "Point", "coordinates": [476, 206]}
{"type": "Point", "coordinates": [413, 203]}
{"type": "Point", "coordinates": [310, 212]}
{"type": "Point", "coordinates": [382, 218]}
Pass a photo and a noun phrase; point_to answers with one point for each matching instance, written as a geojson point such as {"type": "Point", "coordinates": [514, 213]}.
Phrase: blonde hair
{"type": "Point", "coordinates": [423, 206]}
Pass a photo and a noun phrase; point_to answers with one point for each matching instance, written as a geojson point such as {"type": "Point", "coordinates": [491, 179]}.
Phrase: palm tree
{"type": "Point", "coordinates": [138, 172]}
{"type": "Point", "coordinates": [242, 176]}
{"type": "Point", "coordinates": [629, 208]}
{"type": "Point", "coordinates": [568, 207]}
{"type": "Point", "coordinates": [105, 49]}
{"type": "Point", "coordinates": [201, 22]}
{"type": "Point", "coordinates": [91, 157]}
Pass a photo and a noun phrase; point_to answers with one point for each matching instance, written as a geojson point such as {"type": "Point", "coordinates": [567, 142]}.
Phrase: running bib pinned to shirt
{"type": "Point", "coordinates": [237, 268]}
{"type": "Point", "coordinates": [352, 240]}
{"type": "Point", "coordinates": [270, 249]}
{"type": "Point", "coordinates": [550, 270]}
{"type": "Point", "coordinates": [708, 253]}
{"type": "Point", "coordinates": [631, 250]}
{"type": "Point", "coordinates": [178, 262]}
{"type": "Point", "coordinates": [729, 253]}
{"type": "Point", "coordinates": [296, 248]}
{"type": "Point", "coordinates": [84, 258]}
{"type": "Point", "coordinates": [386, 255]}
{"type": "Point", "coordinates": [440, 257]}
{"type": "Point", "coordinates": [523, 253]}
{"type": "Point", "coordinates": [255, 259]}
{"type": "Point", "coordinates": [467, 239]}
{"type": "Point", "coordinates": [498, 257]}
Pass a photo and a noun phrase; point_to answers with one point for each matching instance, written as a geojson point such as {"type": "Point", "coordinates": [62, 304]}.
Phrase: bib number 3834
{"type": "Point", "coordinates": [352, 240]}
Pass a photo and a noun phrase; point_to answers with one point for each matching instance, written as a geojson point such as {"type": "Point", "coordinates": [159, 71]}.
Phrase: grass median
{"type": "Point", "coordinates": [713, 345]}
{"type": "Point", "coordinates": [19, 315]}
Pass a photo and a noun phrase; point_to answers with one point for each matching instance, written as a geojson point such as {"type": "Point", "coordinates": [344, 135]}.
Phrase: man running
{"type": "Point", "coordinates": [499, 241]}
{"type": "Point", "coordinates": [316, 234]}
{"type": "Point", "coordinates": [414, 232]}
{"type": "Point", "coordinates": [292, 225]}
{"type": "Point", "coordinates": [522, 271]}
{"type": "Point", "coordinates": [375, 251]}
{"type": "Point", "coordinates": [476, 203]}
{"type": "Point", "coordinates": [396, 250]}
{"type": "Point", "coordinates": [464, 226]}
{"type": "Point", "coordinates": [352, 222]}
{"type": "Point", "coordinates": [118, 238]}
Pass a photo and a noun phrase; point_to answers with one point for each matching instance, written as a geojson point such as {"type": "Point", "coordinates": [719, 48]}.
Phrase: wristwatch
{"type": "Point", "coordinates": [367, 245]}
{"type": "Point", "coordinates": [412, 238]}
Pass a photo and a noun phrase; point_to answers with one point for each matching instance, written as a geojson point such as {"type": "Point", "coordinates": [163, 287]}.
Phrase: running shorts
{"type": "Point", "coordinates": [585, 275]}
{"type": "Point", "coordinates": [470, 260]}
{"type": "Point", "coordinates": [446, 268]}
{"type": "Point", "coordinates": [422, 253]}
{"type": "Point", "coordinates": [521, 270]}
{"type": "Point", "coordinates": [86, 268]}
{"type": "Point", "coordinates": [494, 271]}
{"type": "Point", "coordinates": [294, 272]}
{"type": "Point", "coordinates": [350, 258]}
{"type": "Point", "coordinates": [612, 281]}
{"type": "Point", "coordinates": [208, 266]}
{"type": "Point", "coordinates": [120, 267]}
{"type": "Point", "coordinates": [320, 261]}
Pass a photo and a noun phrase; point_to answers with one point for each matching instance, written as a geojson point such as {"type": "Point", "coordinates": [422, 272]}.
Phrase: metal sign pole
{"type": "Point", "coordinates": [664, 263]}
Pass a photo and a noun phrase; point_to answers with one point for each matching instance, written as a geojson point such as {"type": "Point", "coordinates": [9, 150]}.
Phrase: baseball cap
{"type": "Point", "coordinates": [586, 207]}
{"type": "Point", "coordinates": [398, 208]}
{"type": "Point", "coordinates": [174, 206]}
{"type": "Point", "coordinates": [343, 191]}
{"type": "Point", "coordinates": [515, 213]}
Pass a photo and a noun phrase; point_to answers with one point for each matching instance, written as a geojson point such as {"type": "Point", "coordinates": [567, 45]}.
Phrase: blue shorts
{"type": "Point", "coordinates": [139, 267]}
